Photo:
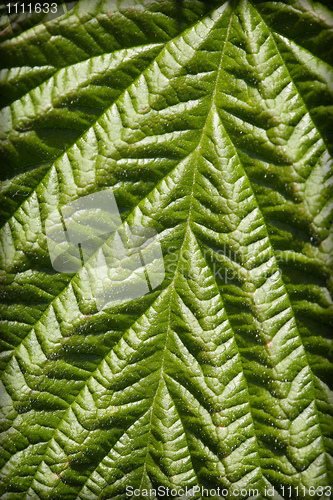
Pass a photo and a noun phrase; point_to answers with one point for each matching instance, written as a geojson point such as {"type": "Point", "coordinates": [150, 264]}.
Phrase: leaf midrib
{"type": "Point", "coordinates": [172, 285]}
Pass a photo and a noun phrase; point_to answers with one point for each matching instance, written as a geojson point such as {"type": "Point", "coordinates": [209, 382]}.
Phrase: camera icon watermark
{"type": "Point", "coordinates": [123, 262]}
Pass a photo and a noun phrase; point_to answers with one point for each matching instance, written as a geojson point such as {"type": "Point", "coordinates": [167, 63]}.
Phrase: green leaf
{"type": "Point", "coordinates": [212, 123]}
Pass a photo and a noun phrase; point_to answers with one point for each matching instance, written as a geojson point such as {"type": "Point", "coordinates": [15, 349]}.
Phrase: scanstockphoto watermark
{"type": "Point", "coordinates": [239, 493]}
{"type": "Point", "coordinates": [124, 262]}
{"type": "Point", "coordinates": [194, 492]}
{"type": "Point", "coordinates": [228, 264]}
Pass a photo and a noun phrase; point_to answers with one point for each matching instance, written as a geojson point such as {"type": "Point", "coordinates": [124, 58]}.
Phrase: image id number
{"type": "Point", "coordinates": [30, 8]}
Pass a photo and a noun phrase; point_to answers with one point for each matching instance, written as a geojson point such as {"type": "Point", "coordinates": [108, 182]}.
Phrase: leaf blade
{"type": "Point", "coordinates": [204, 154]}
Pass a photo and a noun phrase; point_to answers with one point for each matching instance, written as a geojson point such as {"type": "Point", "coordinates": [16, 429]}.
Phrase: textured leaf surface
{"type": "Point", "coordinates": [212, 122]}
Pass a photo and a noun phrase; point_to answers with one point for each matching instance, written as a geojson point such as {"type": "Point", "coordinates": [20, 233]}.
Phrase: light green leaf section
{"type": "Point", "coordinates": [212, 122]}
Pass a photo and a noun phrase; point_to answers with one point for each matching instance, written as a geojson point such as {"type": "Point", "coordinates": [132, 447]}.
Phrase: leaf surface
{"type": "Point", "coordinates": [212, 123]}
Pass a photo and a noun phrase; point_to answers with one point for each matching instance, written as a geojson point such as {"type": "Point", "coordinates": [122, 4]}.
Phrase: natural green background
{"type": "Point", "coordinates": [212, 121]}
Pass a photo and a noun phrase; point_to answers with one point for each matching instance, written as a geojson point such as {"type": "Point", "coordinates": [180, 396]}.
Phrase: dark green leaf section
{"type": "Point", "coordinates": [37, 128]}
{"type": "Point", "coordinates": [59, 78]}
{"type": "Point", "coordinates": [308, 23]}
{"type": "Point", "coordinates": [303, 30]}
{"type": "Point", "coordinates": [204, 123]}
{"type": "Point", "coordinates": [91, 29]}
